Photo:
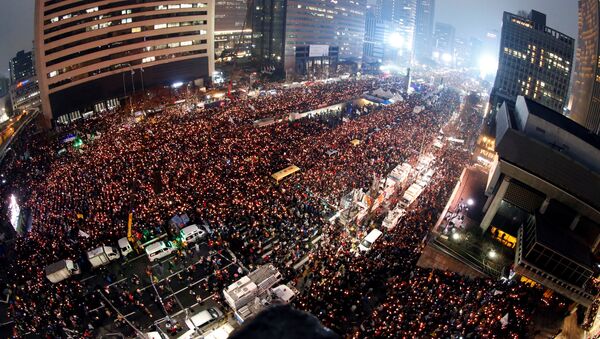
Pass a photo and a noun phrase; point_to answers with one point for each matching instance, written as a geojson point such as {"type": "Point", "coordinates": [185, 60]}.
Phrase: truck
{"type": "Point", "coordinates": [411, 194]}
{"type": "Point", "coordinates": [393, 217]}
{"type": "Point", "coordinates": [102, 255]}
{"type": "Point", "coordinates": [61, 270]}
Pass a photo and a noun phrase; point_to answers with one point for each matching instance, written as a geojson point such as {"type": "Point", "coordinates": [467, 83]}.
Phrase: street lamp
{"type": "Point", "coordinates": [470, 202]}
{"type": "Point", "coordinates": [492, 254]}
{"type": "Point", "coordinates": [456, 236]}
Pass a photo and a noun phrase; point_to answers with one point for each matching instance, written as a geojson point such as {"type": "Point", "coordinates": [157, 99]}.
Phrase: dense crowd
{"type": "Point", "coordinates": [215, 165]}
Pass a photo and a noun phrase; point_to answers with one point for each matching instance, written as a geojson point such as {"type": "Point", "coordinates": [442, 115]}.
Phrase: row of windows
{"type": "Point", "coordinates": [117, 13]}
{"type": "Point", "coordinates": [123, 54]}
{"type": "Point", "coordinates": [116, 34]}
{"type": "Point", "coordinates": [122, 21]}
{"type": "Point", "coordinates": [124, 66]}
{"type": "Point", "coordinates": [119, 44]}
{"type": "Point", "coordinates": [93, 9]}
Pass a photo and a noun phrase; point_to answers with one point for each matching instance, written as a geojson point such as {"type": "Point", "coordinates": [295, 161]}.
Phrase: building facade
{"type": "Point", "coordinates": [268, 34]}
{"type": "Point", "coordinates": [233, 29]}
{"type": "Point", "coordinates": [535, 61]}
{"type": "Point", "coordinates": [22, 66]}
{"type": "Point", "coordinates": [24, 88]}
{"type": "Point", "coordinates": [444, 37]}
{"type": "Point", "coordinates": [90, 53]}
{"type": "Point", "coordinates": [424, 29]}
{"type": "Point", "coordinates": [400, 18]}
{"type": "Point", "coordinates": [339, 24]}
{"type": "Point", "coordinates": [586, 87]}
{"type": "Point", "coordinates": [553, 210]}
{"type": "Point", "coordinates": [374, 44]}
{"type": "Point", "coordinates": [4, 84]}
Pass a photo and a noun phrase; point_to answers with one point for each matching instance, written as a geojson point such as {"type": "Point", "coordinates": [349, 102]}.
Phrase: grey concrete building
{"type": "Point", "coordinates": [544, 187]}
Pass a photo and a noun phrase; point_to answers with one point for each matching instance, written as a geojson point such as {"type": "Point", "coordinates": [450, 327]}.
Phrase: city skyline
{"type": "Point", "coordinates": [16, 26]}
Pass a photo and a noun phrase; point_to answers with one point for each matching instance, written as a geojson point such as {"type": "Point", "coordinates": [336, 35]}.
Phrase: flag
{"type": "Point", "coordinates": [504, 320]}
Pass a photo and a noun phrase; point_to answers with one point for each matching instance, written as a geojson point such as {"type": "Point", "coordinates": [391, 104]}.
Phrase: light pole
{"type": "Point", "coordinates": [137, 330]}
{"type": "Point", "coordinates": [142, 76]}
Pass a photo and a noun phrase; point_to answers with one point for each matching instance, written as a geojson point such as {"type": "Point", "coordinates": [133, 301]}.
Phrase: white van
{"type": "Point", "coordinates": [368, 241]}
{"type": "Point", "coordinates": [192, 233]}
{"type": "Point", "coordinates": [204, 318]}
{"type": "Point", "coordinates": [124, 246]}
{"type": "Point", "coordinates": [159, 250]}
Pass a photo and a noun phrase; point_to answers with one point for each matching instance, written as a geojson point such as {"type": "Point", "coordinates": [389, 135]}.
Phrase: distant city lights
{"type": "Point", "coordinates": [14, 211]}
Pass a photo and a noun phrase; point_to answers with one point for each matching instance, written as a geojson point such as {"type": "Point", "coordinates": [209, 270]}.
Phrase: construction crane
{"type": "Point", "coordinates": [239, 42]}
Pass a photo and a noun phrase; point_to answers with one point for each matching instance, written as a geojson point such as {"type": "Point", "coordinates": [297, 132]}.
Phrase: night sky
{"type": "Point", "coordinates": [470, 17]}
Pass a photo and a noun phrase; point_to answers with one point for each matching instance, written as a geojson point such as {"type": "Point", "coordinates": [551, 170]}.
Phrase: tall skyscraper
{"type": "Point", "coordinates": [535, 61]}
{"type": "Point", "coordinates": [92, 53]}
{"type": "Point", "coordinates": [21, 66]}
{"type": "Point", "coordinates": [586, 87]}
{"type": "Point", "coordinates": [444, 38]}
{"type": "Point", "coordinates": [24, 89]}
{"type": "Point", "coordinates": [293, 23]}
{"type": "Point", "coordinates": [374, 36]}
{"type": "Point", "coordinates": [400, 18]}
{"type": "Point", "coordinates": [424, 28]}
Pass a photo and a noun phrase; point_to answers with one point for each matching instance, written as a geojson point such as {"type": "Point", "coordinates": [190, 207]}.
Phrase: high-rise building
{"type": "Point", "coordinates": [400, 18]}
{"type": "Point", "coordinates": [535, 61]}
{"type": "Point", "coordinates": [233, 29]}
{"type": "Point", "coordinates": [374, 36]}
{"type": "Point", "coordinates": [288, 24]}
{"type": "Point", "coordinates": [24, 88]}
{"type": "Point", "coordinates": [4, 84]}
{"type": "Point", "coordinates": [21, 66]}
{"type": "Point", "coordinates": [268, 33]}
{"type": "Point", "coordinates": [444, 36]}
{"type": "Point", "coordinates": [543, 189]}
{"type": "Point", "coordinates": [586, 86]}
{"type": "Point", "coordinates": [424, 29]}
{"type": "Point", "coordinates": [92, 53]}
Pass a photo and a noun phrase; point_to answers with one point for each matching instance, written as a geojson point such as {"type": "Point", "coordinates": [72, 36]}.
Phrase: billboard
{"type": "Point", "coordinates": [318, 51]}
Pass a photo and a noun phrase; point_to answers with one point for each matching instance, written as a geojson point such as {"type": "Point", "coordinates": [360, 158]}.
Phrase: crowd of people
{"type": "Point", "coordinates": [215, 165]}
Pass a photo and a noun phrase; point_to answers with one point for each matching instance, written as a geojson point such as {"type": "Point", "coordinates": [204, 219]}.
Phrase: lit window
{"type": "Point", "coordinates": [91, 10]}
{"type": "Point", "coordinates": [126, 20]}
{"type": "Point", "coordinates": [186, 43]}
{"type": "Point", "coordinates": [148, 59]}
{"type": "Point", "coordinates": [52, 74]}
{"type": "Point", "coordinates": [126, 11]}
{"type": "Point", "coordinates": [173, 45]}
{"type": "Point", "coordinates": [186, 6]}
{"type": "Point", "coordinates": [173, 24]}
{"type": "Point", "coordinates": [160, 26]}
{"type": "Point", "coordinates": [55, 19]}
{"type": "Point", "coordinates": [161, 7]}
{"type": "Point", "coordinates": [67, 16]}
{"type": "Point", "coordinates": [136, 30]}
{"type": "Point", "coordinates": [173, 6]}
